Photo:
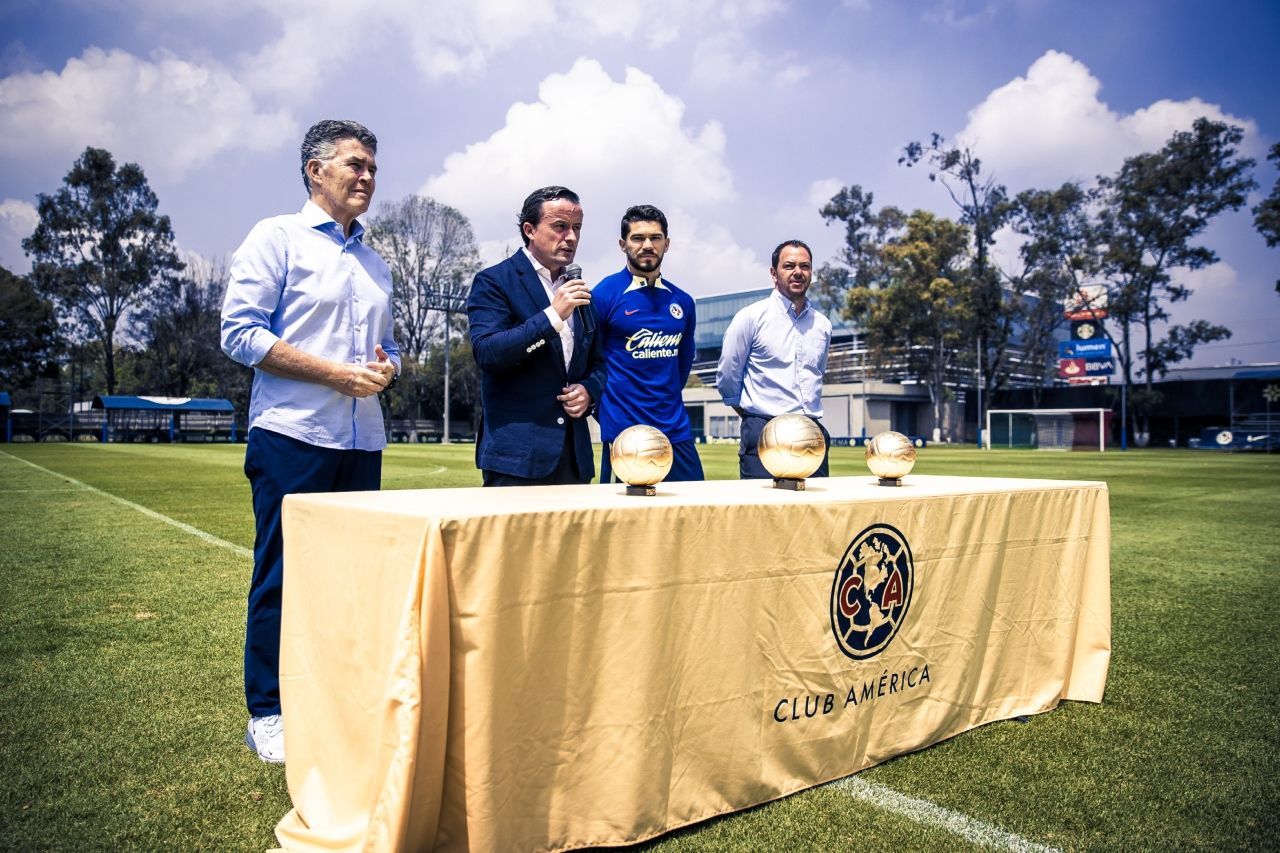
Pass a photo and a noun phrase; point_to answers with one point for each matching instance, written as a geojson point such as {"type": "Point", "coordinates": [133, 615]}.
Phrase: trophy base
{"type": "Point", "coordinates": [788, 483]}
{"type": "Point", "coordinates": [890, 481]}
{"type": "Point", "coordinates": [642, 491]}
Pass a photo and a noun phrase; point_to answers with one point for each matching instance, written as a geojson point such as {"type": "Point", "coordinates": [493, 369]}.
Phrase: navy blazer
{"type": "Point", "coordinates": [522, 369]}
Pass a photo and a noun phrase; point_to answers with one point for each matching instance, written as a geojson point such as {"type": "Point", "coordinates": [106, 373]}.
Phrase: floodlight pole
{"type": "Point", "coordinates": [448, 314]}
{"type": "Point", "coordinates": [978, 384]}
{"type": "Point", "coordinates": [450, 303]}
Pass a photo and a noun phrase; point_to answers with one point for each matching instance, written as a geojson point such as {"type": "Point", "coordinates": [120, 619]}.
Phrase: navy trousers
{"type": "Point", "coordinates": [278, 465]}
{"type": "Point", "coordinates": [686, 464]}
{"type": "Point", "coordinates": [749, 465]}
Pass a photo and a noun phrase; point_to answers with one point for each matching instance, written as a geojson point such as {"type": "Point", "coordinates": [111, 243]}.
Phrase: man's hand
{"type": "Point", "coordinates": [353, 380]}
{"type": "Point", "coordinates": [575, 400]}
{"type": "Point", "coordinates": [357, 380]}
{"type": "Point", "coordinates": [383, 365]}
{"type": "Point", "coordinates": [570, 295]}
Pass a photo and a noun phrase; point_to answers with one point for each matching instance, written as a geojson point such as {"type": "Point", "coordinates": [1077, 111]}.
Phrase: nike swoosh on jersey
{"type": "Point", "coordinates": [629, 313]}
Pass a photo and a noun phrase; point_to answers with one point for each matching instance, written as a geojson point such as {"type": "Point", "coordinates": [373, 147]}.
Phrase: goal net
{"type": "Point", "coordinates": [1048, 429]}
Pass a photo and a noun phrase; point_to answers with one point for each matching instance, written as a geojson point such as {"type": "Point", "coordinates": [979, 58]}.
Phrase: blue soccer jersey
{"type": "Point", "coordinates": [647, 332]}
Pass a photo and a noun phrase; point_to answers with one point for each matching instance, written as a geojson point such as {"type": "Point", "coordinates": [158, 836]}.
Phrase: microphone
{"type": "Point", "coordinates": [571, 272]}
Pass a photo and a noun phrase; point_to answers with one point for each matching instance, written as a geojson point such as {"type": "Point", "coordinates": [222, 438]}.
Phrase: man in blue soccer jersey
{"type": "Point", "coordinates": [646, 324]}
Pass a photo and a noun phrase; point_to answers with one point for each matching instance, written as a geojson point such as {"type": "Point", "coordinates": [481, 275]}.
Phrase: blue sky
{"type": "Point", "coordinates": [737, 118]}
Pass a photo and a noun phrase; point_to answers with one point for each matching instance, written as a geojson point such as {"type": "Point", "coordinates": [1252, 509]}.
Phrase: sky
{"type": "Point", "coordinates": [738, 119]}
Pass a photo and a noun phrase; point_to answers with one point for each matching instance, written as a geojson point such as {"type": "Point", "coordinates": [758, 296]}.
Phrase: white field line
{"type": "Point", "coordinates": [930, 814]}
{"type": "Point", "coordinates": [238, 550]}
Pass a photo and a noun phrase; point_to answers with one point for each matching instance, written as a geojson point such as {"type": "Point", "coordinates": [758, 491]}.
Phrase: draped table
{"type": "Point", "coordinates": [553, 667]}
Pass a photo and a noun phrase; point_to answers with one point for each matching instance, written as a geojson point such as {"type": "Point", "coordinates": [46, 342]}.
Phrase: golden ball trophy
{"type": "Point", "coordinates": [791, 448]}
{"type": "Point", "coordinates": [890, 456]}
{"type": "Point", "coordinates": [641, 457]}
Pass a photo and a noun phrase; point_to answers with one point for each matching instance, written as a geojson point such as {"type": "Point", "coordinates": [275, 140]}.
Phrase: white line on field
{"type": "Point", "coordinates": [238, 550]}
{"type": "Point", "coordinates": [931, 814]}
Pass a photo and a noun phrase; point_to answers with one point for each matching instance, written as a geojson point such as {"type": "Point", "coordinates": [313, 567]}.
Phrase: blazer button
{"type": "Point", "coordinates": [560, 420]}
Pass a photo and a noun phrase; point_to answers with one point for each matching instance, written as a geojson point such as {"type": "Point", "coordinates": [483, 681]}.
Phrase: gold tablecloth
{"type": "Point", "coordinates": [563, 666]}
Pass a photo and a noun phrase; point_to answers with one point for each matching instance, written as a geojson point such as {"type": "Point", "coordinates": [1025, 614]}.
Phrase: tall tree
{"type": "Point", "coordinates": [179, 330]}
{"type": "Point", "coordinates": [860, 261]}
{"type": "Point", "coordinates": [101, 249]}
{"type": "Point", "coordinates": [1058, 256]}
{"type": "Point", "coordinates": [30, 342]}
{"type": "Point", "coordinates": [985, 207]}
{"type": "Point", "coordinates": [1152, 211]}
{"type": "Point", "coordinates": [921, 314]}
{"type": "Point", "coordinates": [432, 253]}
{"type": "Point", "coordinates": [1266, 216]}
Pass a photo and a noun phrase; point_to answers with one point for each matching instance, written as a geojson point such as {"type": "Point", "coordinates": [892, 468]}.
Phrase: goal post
{"type": "Point", "coordinates": [1047, 429]}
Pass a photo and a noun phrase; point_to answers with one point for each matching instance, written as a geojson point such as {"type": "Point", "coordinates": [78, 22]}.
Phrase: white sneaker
{"type": "Point", "coordinates": [266, 737]}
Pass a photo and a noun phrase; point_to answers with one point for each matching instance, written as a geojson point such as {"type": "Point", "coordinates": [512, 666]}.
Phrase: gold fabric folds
{"type": "Point", "coordinates": [555, 667]}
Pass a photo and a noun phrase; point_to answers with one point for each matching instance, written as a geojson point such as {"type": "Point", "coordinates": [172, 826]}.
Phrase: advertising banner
{"type": "Point", "coordinates": [1099, 366]}
{"type": "Point", "coordinates": [1095, 349]}
{"type": "Point", "coordinates": [1069, 368]}
{"type": "Point", "coordinates": [1087, 303]}
{"type": "Point", "coordinates": [1087, 330]}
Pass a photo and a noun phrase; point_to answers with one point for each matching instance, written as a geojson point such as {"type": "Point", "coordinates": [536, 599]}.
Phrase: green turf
{"type": "Point", "coordinates": [121, 718]}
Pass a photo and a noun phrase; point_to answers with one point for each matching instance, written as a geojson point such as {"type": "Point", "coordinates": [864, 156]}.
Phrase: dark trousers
{"type": "Point", "coordinates": [749, 465]}
{"type": "Point", "coordinates": [686, 464]}
{"type": "Point", "coordinates": [278, 465]}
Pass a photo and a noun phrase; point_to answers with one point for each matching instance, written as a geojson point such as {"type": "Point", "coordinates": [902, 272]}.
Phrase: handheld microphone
{"type": "Point", "coordinates": [571, 272]}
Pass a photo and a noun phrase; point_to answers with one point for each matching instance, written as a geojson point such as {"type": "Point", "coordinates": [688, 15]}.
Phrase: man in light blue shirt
{"type": "Point", "coordinates": [308, 307]}
{"type": "Point", "coordinates": [774, 355]}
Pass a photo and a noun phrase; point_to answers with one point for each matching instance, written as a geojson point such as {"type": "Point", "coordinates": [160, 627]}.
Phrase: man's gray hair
{"type": "Point", "coordinates": [321, 142]}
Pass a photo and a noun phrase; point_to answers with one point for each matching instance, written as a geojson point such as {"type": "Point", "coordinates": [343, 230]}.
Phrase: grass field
{"type": "Point", "coordinates": [121, 706]}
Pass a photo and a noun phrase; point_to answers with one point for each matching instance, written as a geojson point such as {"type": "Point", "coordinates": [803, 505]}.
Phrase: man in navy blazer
{"type": "Point", "coordinates": [542, 369]}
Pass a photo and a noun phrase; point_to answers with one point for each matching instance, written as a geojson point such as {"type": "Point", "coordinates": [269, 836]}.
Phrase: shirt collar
{"type": "Point", "coordinates": [640, 283]}
{"type": "Point", "coordinates": [543, 272]}
{"type": "Point", "coordinates": [313, 216]}
{"type": "Point", "coordinates": [786, 305]}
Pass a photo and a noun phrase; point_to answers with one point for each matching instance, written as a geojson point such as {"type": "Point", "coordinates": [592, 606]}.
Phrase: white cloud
{"type": "Point", "coordinates": [822, 191]}
{"type": "Point", "coordinates": [706, 259]}
{"type": "Point", "coordinates": [168, 114]}
{"type": "Point", "coordinates": [460, 39]}
{"type": "Point", "coordinates": [17, 220]}
{"type": "Point", "coordinates": [960, 14]}
{"type": "Point", "coordinates": [1051, 126]}
{"type": "Point", "coordinates": [728, 59]}
{"type": "Point", "coordinates": [616, 143]}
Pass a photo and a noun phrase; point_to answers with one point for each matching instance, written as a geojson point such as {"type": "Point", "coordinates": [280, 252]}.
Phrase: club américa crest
{"type": "Point", "coordinates": [872, 591]}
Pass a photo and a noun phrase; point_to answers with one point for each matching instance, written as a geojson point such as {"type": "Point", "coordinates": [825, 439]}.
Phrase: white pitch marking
{"type": "Point", "coordinates": [931, 814]}
{"type": "Point", "coordinates": [238, 550]}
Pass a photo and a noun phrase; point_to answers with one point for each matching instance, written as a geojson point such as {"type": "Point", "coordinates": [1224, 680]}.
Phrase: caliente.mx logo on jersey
{"type": "Point", "coordinates": [871, 591]}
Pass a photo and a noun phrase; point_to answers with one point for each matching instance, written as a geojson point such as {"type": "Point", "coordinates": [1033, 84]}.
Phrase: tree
{"type": "Point", "coordinates": [919, 316]}
{"type": "Point", "coordinates": [860, 262]}
{"type": "Point", "coordinates": [180, 333]}
{"type": "Point", "coordinates": [1266, 216]}
{"type": "Point", "coordinates": [30, 342]}
{"type": "Point", "coordinates": [1151, 212]}
{"type": "Point", "coordinates": [1059, 256]}
{"type": "Point", "coordinates": [431, 251]}
{"type": "Point", "coordinates": [984, 207]}
{"type": "Point", "coordinates": [101, 250]}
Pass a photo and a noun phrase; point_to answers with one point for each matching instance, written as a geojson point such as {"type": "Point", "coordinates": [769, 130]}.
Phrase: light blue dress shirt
{"type": "Point", "coordinates": [773, 359]}
{"type": "Point", "coordinates": [299, 279]}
